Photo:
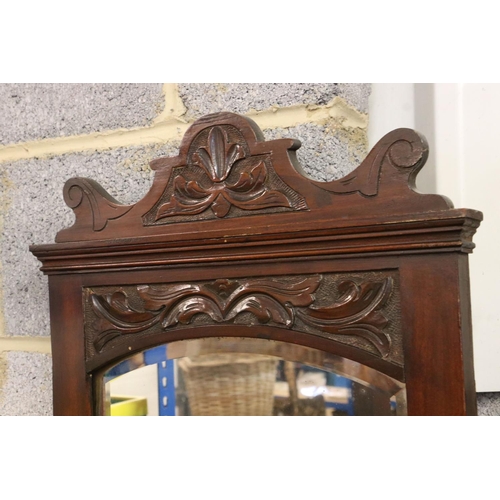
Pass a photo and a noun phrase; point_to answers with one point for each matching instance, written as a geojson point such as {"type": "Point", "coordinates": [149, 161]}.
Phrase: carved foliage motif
{"type": "Point", "coordinates": [216, 156]}
{"type": "Point", "coordinates": [357, 312]}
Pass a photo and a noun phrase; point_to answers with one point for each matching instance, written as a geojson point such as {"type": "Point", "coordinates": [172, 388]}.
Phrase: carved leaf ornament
{"type": "Point", "coordinates": [221, 156]}
{"type": "Point", "coordinates": [249, 192]}
{"type": "Point", "coordinates": [357, 312]}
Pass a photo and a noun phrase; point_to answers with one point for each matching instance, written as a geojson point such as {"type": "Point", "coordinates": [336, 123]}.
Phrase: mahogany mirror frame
{"type": "Point", "coordinates": [232, 240]}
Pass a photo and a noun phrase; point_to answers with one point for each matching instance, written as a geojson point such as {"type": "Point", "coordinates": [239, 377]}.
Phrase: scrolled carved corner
{"type": "Point", "coordinates": [357, 312]}
{"type": "Point", "coordinates": [92, 204]}
{"type": "Point", "coordinates": [390, 170]}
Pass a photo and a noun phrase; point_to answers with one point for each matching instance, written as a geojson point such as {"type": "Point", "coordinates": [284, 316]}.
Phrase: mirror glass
{"type": "Point", "coordinates": [237, 376]}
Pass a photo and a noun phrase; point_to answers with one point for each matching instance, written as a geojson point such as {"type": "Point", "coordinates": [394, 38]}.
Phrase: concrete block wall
{"type": "Point", "coordinates": [110, 132]}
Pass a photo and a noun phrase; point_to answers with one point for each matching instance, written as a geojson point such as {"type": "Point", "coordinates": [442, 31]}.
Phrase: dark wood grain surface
{"type": "Point", "coordinates": [363, 267]}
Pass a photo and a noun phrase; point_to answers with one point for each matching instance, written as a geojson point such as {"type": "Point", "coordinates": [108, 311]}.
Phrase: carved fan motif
{"type": "Point", "coordinates": [208, 181]}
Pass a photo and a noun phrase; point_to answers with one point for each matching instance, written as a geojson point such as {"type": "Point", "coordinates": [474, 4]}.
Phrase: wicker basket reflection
{"type": "Point", "coordinates": [230, 384]}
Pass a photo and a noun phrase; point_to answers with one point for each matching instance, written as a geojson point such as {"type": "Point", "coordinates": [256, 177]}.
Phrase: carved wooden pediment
{"type": "Point", "coordinates": [226, 170]}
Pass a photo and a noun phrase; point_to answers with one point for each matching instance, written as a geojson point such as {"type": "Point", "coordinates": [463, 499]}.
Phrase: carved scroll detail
{"type": "Point", "coordinates": [103, 207]}
{"type": "Point", "coordinates": [223, 300]}
{"type": "Point", "coordinates": [403, 149]}
{"type": "Point", "coordinates": [357, 312]}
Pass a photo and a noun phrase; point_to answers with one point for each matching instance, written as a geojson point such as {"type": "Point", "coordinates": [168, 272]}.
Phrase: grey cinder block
{"type": "Point", "coordinates": [25, 384]}
{"type": "Point", "coordinates": [488, 404]}
{"type": "Point", "coordinates": [205, 98]}
{"type": "Point", "coordinates": [34, 111]}
{"type": "Point", "coordinates": [326, 154]}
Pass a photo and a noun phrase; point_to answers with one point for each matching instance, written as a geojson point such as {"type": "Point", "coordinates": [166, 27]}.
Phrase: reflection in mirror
{"type": "Point", "coordinates": [237, 376]}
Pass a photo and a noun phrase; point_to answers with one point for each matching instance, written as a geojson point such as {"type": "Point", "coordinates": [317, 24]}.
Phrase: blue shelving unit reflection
{"type": "Point", "coordinates": [339, 381]}
{"type": "Point", "coordinates": [166, 379]}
